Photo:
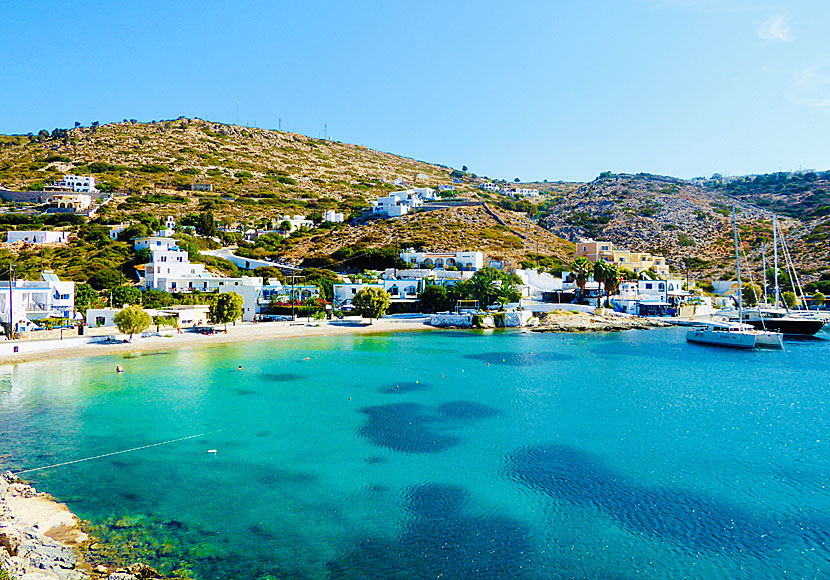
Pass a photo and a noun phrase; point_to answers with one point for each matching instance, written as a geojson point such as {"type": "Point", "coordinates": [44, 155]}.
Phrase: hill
{"type": "Point", "coordinates": [258, 174]}
{"type": "Point", "coordinates": [255, 176]}
{"type": "Point", "coordinates": [688, 223]}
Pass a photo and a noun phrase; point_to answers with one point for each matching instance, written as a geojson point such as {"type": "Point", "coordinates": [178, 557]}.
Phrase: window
{"type": "Point", "coordinates": [662, 287]}
{"type": "Point", "coordinates": [99, 321]}
{"type": "Point", "coordinates": [605, 248]}
{"type": "Point", "coordinates": [648, 285]}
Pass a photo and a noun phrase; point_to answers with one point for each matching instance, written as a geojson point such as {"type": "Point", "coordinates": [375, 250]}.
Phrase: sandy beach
{"type": "Point", "coordinates": [170, 338]}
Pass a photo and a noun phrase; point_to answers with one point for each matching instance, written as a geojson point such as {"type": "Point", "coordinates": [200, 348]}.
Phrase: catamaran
{"type": "Point", "coordinates": [735, 334]}
{"type": "Point", "coordinates": [766, 316]}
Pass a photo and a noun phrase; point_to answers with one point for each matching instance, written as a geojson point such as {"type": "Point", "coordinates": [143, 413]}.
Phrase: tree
{"type": "Point", "coordinates": [789, 299]}
{"type": "Point", "coordinates": [463, 168]}
{"type": "Point", "coordinates": [284, 227]}
{"type": "Point", "coordinates": [609, 275]}
{"type": "Point", "coordinates": [818, 299]}
{"type": "Point", "coordinates": [751, 294]}
{"type": "Point", "coordinates": [434, 298]}
{"type": "Point", "coordinates": [132, 319]}
{"type": "Point", "coordinates": [85, 298]}
{"type": "Point", "coordinates": [105, 278]}
{"type": "Point", "coordinates": [227, 308]}
{"type": "Point", "coordinates": [153, 298]}
{"type": "Point", "coordinates": [516, 180]}
{"type": "Point", "coordinates": [160, 321]}
{"type": "Point", "coordinates": [371, 303]}
{"type": "Point", "coordinates": [122, 295]}
{"type": "Point", "coordinates": [582, 268]}
{"type": "Point", "coordinates": [77, 124]}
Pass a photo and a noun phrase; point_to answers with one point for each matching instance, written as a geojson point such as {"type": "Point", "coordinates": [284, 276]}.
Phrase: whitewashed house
{"type": "Point", "coordinates": [295, 222]}
{"type": "Point", "coordinates": [398, 290]}
{"type": "Point", "coordinates": [79, 183]}
{"type": "Point", "coordinates": [522, 192]}
{"type": "Point", "coordinates": [441, 260]}
{"type": "Point", "coordinates": [73, 202]}
{"type": "Point", "coordinates": [391, 206]}
{"type": "Point", "coordinates": [332, 216]}
{"type": "Point", "coordinates": [155, 243]}
{"type": "Point", "coordinates": [489, 187]}
{"type": "Point", "coordinates": [117, 229]}
{"type": "Point", "coordinates": [37, 237]}
{"type": "Point", "coordinates": [35, 299]}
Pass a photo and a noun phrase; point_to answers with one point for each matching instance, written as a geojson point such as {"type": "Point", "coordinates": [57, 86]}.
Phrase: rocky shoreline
{"type": "Point", "coordinates": [564, 321]}
{"type": "Point", "coordinates": [40, 539]}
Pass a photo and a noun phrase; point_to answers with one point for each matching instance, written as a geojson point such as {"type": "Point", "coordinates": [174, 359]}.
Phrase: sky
{"type": "Point", "coordinates": [536, 89]}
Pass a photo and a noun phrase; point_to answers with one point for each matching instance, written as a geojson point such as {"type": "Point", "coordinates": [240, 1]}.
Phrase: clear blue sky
{"type": "Point", "coordinates": [544, 89]}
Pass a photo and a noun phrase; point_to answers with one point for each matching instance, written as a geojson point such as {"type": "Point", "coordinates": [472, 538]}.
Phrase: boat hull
{"type": "Point", "coordinates": [719, 338]}
{"type": "Point", "coordinates": [792, 326]}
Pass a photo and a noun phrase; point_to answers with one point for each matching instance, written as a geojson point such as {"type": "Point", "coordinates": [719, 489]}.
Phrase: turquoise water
{"type": "Point", "coordinates": [444, 455]}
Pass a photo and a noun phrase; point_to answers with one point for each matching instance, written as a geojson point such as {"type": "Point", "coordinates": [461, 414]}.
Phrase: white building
{"type": "Point", "coordinates": [398, 290]}
{"type": "Point", "coordinates": [167, 266]}
{"type": "Point", "coordinates": [155, 243]}
{"type": "Point", "coordinates": [489, 187]}
{"type": "Point", "coordinates": [522, 192]}
{"type": "Point", "coordinates": [332, 216]}
{"type": "Point", "coordinates": [79, 183]}
{"type": "Point", "coordinates": [391, 206]}
{"type": "Point", "coordinates": [36, 299]}
{"type": "Point", "coordinates": [424, 193]}
{"type": "Point", "coordinates": [539, 283]}
{"type": "Point", "coordinates": [257, 295]}
{"type": "Point", "coordinates": [651, 297]}
{"type": "Point", "coordinates": [170, 223]}
{"type": "Point", "coordinates": [446, 188]}
{"type": "Point", "coordinates": [117, 229]}
{"type": "Point", "coordinates": [186, 316]}
{"type": "Point", "coordinates": [439, 260]}
{"type": "Point", "coordinates": [399, 203]}
{"type": "Point", "coordinates": [295, 222]}
{"type": "Point", "coordinates": [37, 237]}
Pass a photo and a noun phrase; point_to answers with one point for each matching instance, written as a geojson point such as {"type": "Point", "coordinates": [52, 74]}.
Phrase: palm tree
{"type": "Point", "coordinates": [582, 268]}
{"type": "Point", "coordinates": [600, 271]}
{"type": "Point", "coordinates": [609, 275]}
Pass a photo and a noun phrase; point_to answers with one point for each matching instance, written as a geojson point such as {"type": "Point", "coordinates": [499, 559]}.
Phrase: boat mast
{"type": "Point", "coordinates": [775, 253]}
{"type": "Point", "coordinates": [738, 264]}
{"type": "Point", "coordinates": [764, 270]}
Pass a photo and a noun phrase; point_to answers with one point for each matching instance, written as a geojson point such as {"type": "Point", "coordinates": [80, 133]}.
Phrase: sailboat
{"type": "Point", "coordinates": [778, 319]}
{"type": "Point", "coordinates": [735, 334]}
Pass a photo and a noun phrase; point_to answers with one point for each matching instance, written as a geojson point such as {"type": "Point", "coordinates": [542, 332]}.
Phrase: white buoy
{"type": "Point", "coordinates": [211, 450]}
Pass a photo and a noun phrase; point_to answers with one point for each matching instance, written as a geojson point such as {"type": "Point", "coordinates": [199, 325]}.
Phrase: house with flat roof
{"type": "Point", "coordinates": [29, 300]}
{"type": "Point", "coordinates": [637, 262]}
{"type": "Point", "coordinates": [442, 260]}
{"type": "Point", "coordinates": [37, 237]}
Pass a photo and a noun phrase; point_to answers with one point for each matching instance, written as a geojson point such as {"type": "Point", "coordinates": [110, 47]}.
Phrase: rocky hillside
{"type": "Point", "coordinates": [253, 172]}
{"type": "Point", "coordinates": [690, 224]}
{"type": "Point", "coordinates": [509, 237]}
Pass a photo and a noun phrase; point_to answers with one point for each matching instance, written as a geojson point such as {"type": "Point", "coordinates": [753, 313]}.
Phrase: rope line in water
{"type": "Point", "coordinates": [116, 452]}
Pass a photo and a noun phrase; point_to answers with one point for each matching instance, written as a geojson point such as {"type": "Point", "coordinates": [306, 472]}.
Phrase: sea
{"type": "Point", "coordinates": [440, 454]}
